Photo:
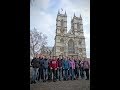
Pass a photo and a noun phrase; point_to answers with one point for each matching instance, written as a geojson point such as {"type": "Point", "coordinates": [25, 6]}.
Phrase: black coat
{"type": "Point", "coordinates": [35, 63]}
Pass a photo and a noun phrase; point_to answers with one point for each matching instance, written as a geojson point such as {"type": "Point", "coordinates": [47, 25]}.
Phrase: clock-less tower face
{"type": "Point", "coordinates": [62, 26]}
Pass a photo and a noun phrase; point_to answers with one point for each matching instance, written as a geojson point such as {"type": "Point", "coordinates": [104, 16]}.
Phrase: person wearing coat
{"type": "Point", "coordinates": [72, 68]}
{"type": "Point", "coordinates": [54, 67]}
{"type": "Point", "coordinates": [35, 66]}
{"type": "Point", "coordinates": [86, 67]}
{"type": "Point", "coordinates": [45, 69]}
{"type": "Point", "coordinates": [65, 68]}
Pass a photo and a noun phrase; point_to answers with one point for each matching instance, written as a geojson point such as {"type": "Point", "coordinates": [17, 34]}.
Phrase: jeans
{"type": "Point", "coordinates": [69, 72]}
{"type": "Point", "coordinates": [82, 72]}
{"type": "Point", "coordinates": [34, 74]}
{"type": "Point", "coordinates": [53, 74]}
{"type": "Point", "coordinates": [40, 70]}
{"type": "Point", "coordinates": [77, 73]}
{"type": "Point", "coordinates": [50, 74]}
{"type": "Point", "coordinates": [72, 74]}
{"type": "Point", "coordinates": [60, 73]}
{"type": "Point", "coordinates": [45, 73]}
{"type": "Point", "coordinates": [87, 73]}
{"type": "Point", "coordinates": [65, 73]}
{"type": "Point", "coordinates": [57, 73]}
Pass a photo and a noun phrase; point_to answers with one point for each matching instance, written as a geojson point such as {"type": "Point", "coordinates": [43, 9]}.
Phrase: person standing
{"type": "Point", "coordinates": [35, 65]}
{"type": "Point", "coordinates": [81, 69]}
{"type": "Point", "coordinates": [57, 71]}
{"type": "Point", "coordinates": [53, 67]}
{"type": "Point", "coordinates": [72, 68]}
{"type": "Point", "coordinates": [60, 69]}
{"type": "Point", "coordinates": [65, 68]}
{"type": "Point", "coordinates": [40, 77]}
{"type": "Point", "coordinates": [40, 69]}
{"type": "Point", "coordinates": [49, 70]}
{"type": "Point", "coordinates": [45, 69]}
{"type": "Point", "coordinates": [86, 68]}
{"type": "Point", "coordinates": [77, 68]}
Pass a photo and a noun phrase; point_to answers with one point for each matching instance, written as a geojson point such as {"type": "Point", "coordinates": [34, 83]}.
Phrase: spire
{"type": "Point", "coordinates": [74, 14]}
{"type": "Point", "coordinates": [58, 12]}
{"type": "Point", "coordinates": [61, 10]}
{"type": "Point", "coordinates": [80, 16]}
{"type": "Point", "coordinates": [65, 12]}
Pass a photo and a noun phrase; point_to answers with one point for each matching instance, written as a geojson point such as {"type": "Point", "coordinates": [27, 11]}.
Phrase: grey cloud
{"type": "Point", "coordinates": [41, 4]}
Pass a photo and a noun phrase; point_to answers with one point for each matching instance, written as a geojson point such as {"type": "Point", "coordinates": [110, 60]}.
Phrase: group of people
{"type": "Point", "coordinates": [63, 68]}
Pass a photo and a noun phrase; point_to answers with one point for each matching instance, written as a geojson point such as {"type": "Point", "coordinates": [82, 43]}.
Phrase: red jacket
{"type": "Point", "coordinates": [54, 64]}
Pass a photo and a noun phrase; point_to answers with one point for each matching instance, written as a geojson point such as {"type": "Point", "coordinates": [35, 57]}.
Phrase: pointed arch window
{"type": "Point", "coordinates": [78, 26]}
{"type": "Point", "coordinates": [79, 42]}
{"type": "Point", "coordinates": [62, 26]}
{"type": "Point", "coordinates": [62, 23]}
{"type": "Point", "coordinates": [71, 48]}
{"type": "Point", "coordinates": [61, 40]}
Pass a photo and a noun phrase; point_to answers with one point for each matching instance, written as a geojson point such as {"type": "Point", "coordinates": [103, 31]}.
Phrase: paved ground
{"type": "Point", "coordinates": [62, 85]}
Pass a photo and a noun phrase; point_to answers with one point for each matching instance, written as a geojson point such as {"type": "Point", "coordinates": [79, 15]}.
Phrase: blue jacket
{"type": "Point", "coordinates": [45, 63]}
{"type": "Point", "coordinates": [65, 64]}
{"type": "Point", "coordinates": [41, 63]}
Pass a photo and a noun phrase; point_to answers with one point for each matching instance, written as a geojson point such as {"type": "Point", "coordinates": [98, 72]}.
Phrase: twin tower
{"type": "Point", "coordinates": [71, 43]}
{"type": "Point", "coordinates": [61, 23]}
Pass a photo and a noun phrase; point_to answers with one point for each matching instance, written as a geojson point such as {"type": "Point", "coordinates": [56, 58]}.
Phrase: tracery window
{"type": "Point", "coordinates": [71, 48]}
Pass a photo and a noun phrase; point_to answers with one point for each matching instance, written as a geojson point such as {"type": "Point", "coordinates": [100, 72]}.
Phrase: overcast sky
{"type": "Point", "coordinates": [43, 17]}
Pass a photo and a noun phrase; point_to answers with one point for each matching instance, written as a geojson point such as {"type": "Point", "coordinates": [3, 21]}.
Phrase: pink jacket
{"type": "Point", "coordinates": [72, 64]}
{"type": "Point", "coordinates": [86, 65]}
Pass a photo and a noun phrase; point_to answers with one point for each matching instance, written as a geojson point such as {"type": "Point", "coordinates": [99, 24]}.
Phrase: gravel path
{"type": "Point", "coordinates": [62, 85]}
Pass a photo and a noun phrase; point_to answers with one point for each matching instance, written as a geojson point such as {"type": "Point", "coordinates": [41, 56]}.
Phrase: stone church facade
{"type": "Point", "coordinates": [71, 43]}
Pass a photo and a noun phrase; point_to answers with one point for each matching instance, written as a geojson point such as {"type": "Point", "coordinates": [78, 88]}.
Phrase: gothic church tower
{"type": "Point", "coordinates": [71, 43]}
{"type": "Point", "coordinates": [61, 31]}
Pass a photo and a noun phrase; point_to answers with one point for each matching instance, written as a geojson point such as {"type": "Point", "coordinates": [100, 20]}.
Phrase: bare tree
{"type": "Point", "coordinates": [37, 40]}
